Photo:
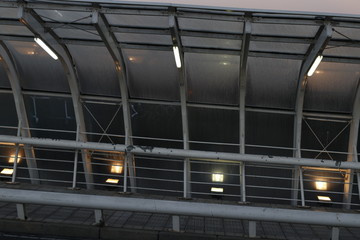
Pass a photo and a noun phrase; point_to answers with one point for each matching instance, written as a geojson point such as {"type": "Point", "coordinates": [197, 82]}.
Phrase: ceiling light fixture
{"type": "Point", "coordinates": [215, 189]}
{"type": "Point", "coordinates": [315, 65]}
{"type": "Point", "coordinates": [7, 171]}
{"type": "Point", "coordinates": [117, 168]}
{"type": "Point", "coordinates": [112, 180]}
{"type": "Point", "coordinates": [324, 198]}
{"type": "Point", "coordinates": [46, 48]}
{"type": "Point", "coordinates": [12, 158]}
{"type": "Point", "coordinates": [177, 56]}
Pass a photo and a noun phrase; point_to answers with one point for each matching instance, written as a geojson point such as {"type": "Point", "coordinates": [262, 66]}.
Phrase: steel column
{"type": "Point", "coordinates": [174, 30]}
{"type": "Point", "coordinates": [187, 208]}
{"type": "Point", "coordinates": [24, 131]}
{"type": "Point", "coordinates": [352, 151]}
{"type": "Point", "coordinates": [33, 22]}
{"type": "Point", "coordinates": [181, 153]}
{"type": "Point", "coordinates": [111, 44]}
{"type": "Point", "coordinates": [242, 80]}
{"type": "Point", "coordinates": [322, 38]}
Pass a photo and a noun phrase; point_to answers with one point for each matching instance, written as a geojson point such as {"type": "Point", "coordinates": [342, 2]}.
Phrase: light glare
{"type": "Point", "coordinates": [112, 180]}
{"type": "Point", "coordinates": [321, 185]}
{"type": "Point", "coordinates": [117, 168]}
{"type": "Point", "coordinates": [46, 48]}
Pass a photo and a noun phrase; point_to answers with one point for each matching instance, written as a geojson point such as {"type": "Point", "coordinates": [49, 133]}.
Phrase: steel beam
{"type": "Point", "coordinates": [181, 153]}
{"type": "Point", "coordinates": [174, 30]}
{"type": "Point", "coordinates": [102, 27]}
{"type": "Point", "coordinates": [352, 149]}
{"type": "Point", "coordinates": [187, 208]}
{"type": "Point", "coordinates": [322, 38]}
{"type": "Point", "coordinates": [13, 77]}
{"type": "Point", "coordinates": [242, 88]}
{"type": "Point", "coordinates": [34, 24]}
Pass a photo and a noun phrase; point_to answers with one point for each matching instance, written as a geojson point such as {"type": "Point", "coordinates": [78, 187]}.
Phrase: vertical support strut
{"type": "Point", "coordinates": [174, 30]}
{"type": "Point", "coordinates": [252, 229]}
{"type": "Point", "coordinates": [23, 129]}
{"type": "Point", "coordinates": [322, 38]}
{"type": "Point", "coordinates": [242, 80]}
{"type": "Point", "coordinates": [21, 211]}
{"type": "Point", "coordinates": [113, 47]}
{"type": "Point", "coordinates": [33, 22]}
{"type": "Point", "coordinates": [352, 151]}
{"type": "Point", "coordinates": [176, 223]}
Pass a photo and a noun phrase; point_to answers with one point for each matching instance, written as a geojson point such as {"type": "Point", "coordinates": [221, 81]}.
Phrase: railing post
{"type": "Point", "coordinates": [176, 223]}
{"type": "Point", "coordinates": [125, 172]}
{"type": "Point", "coordinates": [13, 178]}
{"type": "Point", "coordinates": [76, 158]}
{"type": "Point", "coordinates": [302, 187]}
{"type": "Point", "coordinates": [252, 229]}
{"type": "Point", "coordinates": [21, 211]}
{"type": "Point", "coordinates": [242, 182]}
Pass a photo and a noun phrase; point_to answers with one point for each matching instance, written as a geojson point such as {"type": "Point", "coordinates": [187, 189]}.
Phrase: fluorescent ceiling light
{"type": "Point", "coordinates": [46, 48]}
{"type": "Point", "coordinates": [324, 198]}
{"type": "Point", "coordinates": [321, 185]}
{"type": "Point", "coordinates": [12, 158]}
{"type": "Point", "coordinates": [315, 65]}
{"type": "Point", "coordinates": [215, 189]}
{"type": "Point", "coordinates": [112, 180]}
{"type": "Point", "coordinates": [117, 168]}
{"type": "Point", "coordinates": [177, 56]}
{"type": "Point", "coordinates": [7, 171]}
{"type": "Point", "coordinates": [217, 177]}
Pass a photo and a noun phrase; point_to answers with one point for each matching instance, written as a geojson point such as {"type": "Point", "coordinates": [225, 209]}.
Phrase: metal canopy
{"type": "Point", "coordinates": [241, 94]}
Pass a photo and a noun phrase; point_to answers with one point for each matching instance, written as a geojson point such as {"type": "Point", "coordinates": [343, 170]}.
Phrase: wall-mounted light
{"type": "Point", "coordinates": [7, 171]}
{"type": "Point", "coordinates": [321, 185]}
{"type": "Point", "coordinates": [117, 168]}
{"type": "Point", "coordinates": [46, 48]}
{"type": "Point", "coordinates": [112, 180]}
{"type": "Point", "coordinates": [12, 158]}
{"type": "Point", "coordinates": [324, 198]}
{"type": "Point", "coordinates": [215, 189]}
{"type": "Point", "coordinates": [177, 56]}
{"type": "Point", "coordinates": [315, 65]}
{"type": "Point", "coordinates": [217, 177]}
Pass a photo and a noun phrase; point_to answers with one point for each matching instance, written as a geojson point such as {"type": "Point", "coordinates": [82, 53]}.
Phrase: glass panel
{"type": "Point", "coordinates": [37, 70]}
{"type": "Point", "coordinates": [212, 78]}
{"type": "Point", "coordinates": [152, 74]}
{"type": "Point", "coordinates": [8, 12]}
{"type": "Point", "coordinates": [272, 82]}
{"type": "Point", "coordinates": [9, 116]}
{"type": "Point", "coordinates": [342, 52]}
{"type": "Point", "coordinates": [267, 129]}
{"type": "Point", "coordinates": [144, 38]}
{"type": "Point", "coordinates": [211, 43]}
{"type": "Point", "coordinates": [213, 126]}
{"type": "Point", "coordinates": [77, 34]}
{"type": "Point", "coordinates": [284, 30]}
{"type": "Point", "coordinates": [4, 81]}
{"type": "Point", "coordinates": [64, 16]}
{"type": "Point", "coordinates": [319, 134]}
{"type": "Point", "coordinates": [51, 113]}
{"type": "Point", "coordinates": [96, 70]}
{"type": "Point", "coordinates": [138, 21]}
{"type": "Point", "coordinates": [346, 33]}
{"type": "Point", "coordinates": [279, 47]}
{"type": "Point", "coordinates": [104, 117]}
{"type": "Point", "coordinates": [157, 121]}
{"type": "Point", "coordinates": [15, 30]}
{"type": "Point", "coordinates": [332, 87]}
{"type": "Point", "coordinates": [210, 25]}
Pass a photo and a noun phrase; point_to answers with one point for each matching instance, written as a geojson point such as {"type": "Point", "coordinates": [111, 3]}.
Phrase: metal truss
{"type": "Point", "coordinates": [12, 73]}
{"type": "Point", "coordinates": [323, 37]}
{"type": "Point", "coordinates": [29, 18]}
{"type": "Point", "coordinates": [174, 30]}
{"type": "Point", "coordinates": [102, 27]}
